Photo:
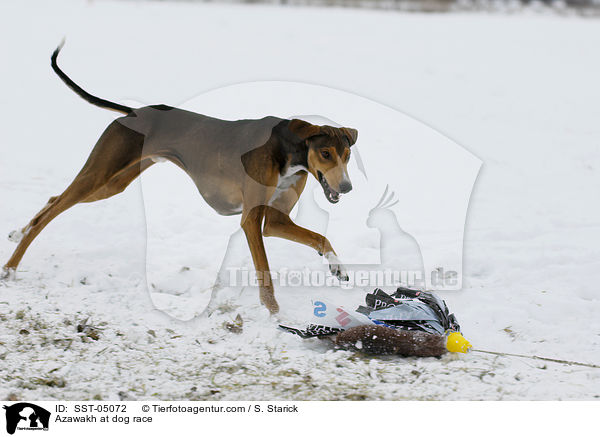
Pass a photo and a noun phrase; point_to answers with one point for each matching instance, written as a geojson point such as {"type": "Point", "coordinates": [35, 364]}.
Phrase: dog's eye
{"type": "Point", "coordinates": [325, 154]}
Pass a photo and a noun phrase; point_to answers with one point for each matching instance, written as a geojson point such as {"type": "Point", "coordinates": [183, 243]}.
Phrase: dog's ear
{"type": "Point", "coordinates": [351, 134]}
{"type": "Point", "coordinates": [303, 129]}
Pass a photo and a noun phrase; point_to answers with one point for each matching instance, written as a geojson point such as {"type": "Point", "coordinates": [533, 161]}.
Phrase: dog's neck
{"type": "Point", "coordinates": [292, 156]}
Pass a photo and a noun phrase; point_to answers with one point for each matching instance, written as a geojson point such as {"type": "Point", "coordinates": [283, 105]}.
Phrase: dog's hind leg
{"type": "Point", "coordinates": [120, 181]}
{"type": "Point", "coordinates": [116, 157]}
{"type": "Point", "coordinates": [72, 195]}
{"type": "Point", "coordinates": [17, 236]}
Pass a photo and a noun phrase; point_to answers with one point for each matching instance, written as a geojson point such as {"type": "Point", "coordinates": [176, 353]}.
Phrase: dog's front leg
{"type": "Point", "coordinates": [279, 224]}
{"type": "Point", "coordinates": [336, 267]}
{"type": "Point", "coordinates": [252, 226]}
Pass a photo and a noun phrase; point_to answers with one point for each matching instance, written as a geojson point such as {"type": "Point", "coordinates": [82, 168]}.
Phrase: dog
{"type": "Point", "coordinates": [256, 168]}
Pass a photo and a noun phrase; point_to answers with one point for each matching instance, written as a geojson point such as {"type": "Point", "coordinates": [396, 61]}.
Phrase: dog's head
{"type": "Point", "coordinates": [328, 153]}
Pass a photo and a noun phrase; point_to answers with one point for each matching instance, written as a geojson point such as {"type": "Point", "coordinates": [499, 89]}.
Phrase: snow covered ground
{"type": "Point", "coordinates": [518, 92]}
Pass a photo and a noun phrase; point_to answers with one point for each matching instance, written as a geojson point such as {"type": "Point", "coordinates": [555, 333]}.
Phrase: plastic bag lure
{"type": "Point", "coordinates": [408, 322]}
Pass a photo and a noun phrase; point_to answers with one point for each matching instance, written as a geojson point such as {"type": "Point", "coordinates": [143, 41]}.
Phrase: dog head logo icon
{"type": "Point", "coordinates": [26, 416]}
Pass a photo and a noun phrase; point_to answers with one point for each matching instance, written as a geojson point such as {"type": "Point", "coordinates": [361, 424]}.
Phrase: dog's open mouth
{"type": "Point", "coordinates": [332, 195]}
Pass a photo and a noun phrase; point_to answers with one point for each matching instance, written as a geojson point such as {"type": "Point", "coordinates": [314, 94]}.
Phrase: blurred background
{"type": "Point", "coordinates": [579, 7]}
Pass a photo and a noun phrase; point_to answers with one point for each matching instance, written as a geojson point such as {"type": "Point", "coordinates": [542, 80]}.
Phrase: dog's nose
{"type": "Point", "coordinates": [345, 186]}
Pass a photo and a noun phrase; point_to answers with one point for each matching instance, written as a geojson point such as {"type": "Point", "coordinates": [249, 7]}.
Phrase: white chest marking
{"type": "Point", "coordinates": [292, 170]}
{"type": "Point", "coordinates": [289, 178]}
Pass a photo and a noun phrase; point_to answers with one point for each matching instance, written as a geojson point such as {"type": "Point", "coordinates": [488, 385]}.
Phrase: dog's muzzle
{"type": "Point", "coordinates": [331, 195]}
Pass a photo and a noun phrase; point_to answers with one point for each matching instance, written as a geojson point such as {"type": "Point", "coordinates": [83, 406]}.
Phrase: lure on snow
{"type": "Point", "coordinates": [408, 322]}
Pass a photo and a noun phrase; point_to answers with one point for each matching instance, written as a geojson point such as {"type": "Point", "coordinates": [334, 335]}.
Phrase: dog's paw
{"type": "Point", "coordinates": [336, 267]}
{"type": "Point", "coordinates": [267, 298]}
{"type": "Point", "coordinates": [7, 274]}
{"type": "Point", "coordinates": [15, 236]}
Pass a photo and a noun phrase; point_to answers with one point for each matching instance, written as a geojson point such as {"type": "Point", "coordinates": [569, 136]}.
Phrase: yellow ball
{"type": "Point", "coordinates": [457, 343]}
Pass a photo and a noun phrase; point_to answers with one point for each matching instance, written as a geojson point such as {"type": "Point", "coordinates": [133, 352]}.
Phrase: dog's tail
{"type": "Point", "coordinates": [84, 94]}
